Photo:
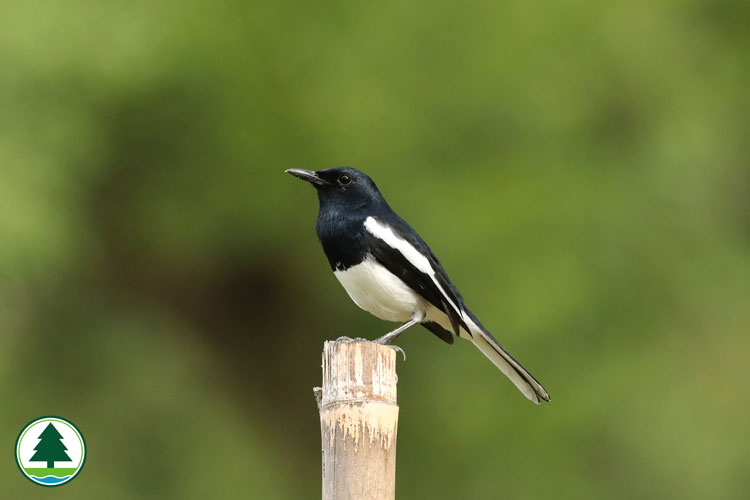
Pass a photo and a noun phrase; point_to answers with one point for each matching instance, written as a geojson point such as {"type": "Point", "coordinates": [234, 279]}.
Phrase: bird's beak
{"type": "Point", "coordinates": [307, 175]}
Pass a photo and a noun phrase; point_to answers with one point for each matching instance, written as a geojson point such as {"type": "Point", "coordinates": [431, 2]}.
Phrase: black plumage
{"type": "Point", "coordinates": [389, 270]}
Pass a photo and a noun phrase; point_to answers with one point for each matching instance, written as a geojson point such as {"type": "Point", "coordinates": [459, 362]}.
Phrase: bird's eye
{"type": "Point", "coordinates": [345, 179]}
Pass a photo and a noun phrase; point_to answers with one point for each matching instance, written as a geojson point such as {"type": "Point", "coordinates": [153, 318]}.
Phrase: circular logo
{"type": "Point", "coordinates": [50, 451]}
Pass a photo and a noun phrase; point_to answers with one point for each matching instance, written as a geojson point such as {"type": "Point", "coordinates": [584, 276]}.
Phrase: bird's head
{"type": "Point", "coordinates": [343, 186]}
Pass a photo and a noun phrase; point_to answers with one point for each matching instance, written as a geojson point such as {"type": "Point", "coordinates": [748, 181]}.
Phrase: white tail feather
{"type": "Point", "coordinates": [512, 369]}
{"type": "Point", "coordinates": [506, 368]}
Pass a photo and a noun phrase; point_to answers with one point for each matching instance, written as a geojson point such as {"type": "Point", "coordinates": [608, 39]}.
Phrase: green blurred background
{"type": "Point", "coordinates": [581, 168]}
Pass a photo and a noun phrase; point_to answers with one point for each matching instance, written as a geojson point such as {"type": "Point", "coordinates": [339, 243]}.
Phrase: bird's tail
{"type": "Point", "coordinates": [525, 381]}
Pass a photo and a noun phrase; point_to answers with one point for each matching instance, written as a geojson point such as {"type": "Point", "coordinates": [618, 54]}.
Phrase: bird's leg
{"type": "Point", "coordinates": [388, 338]}
{"type": "Point", "coordinates": [391, 336]}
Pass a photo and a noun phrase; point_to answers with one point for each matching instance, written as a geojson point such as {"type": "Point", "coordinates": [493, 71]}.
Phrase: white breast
{"type": "Point", "coordinates": [379, 292]}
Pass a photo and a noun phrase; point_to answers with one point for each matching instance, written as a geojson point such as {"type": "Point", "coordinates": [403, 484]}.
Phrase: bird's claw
{"type": "Point", "coordinates": [387, 342]}
{"type": "Point", "coordinates": [349, 339]}
{"type": "Point", "coordinates": [382, 341]}
{"type": "Point", "coordinates": [398, 349]}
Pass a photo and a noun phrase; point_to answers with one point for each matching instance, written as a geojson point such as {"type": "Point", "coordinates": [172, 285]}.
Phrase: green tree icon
{"type": "Point", "coordinates": [51, 448]}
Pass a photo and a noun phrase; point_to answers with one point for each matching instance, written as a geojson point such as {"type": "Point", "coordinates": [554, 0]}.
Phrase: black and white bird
{"type": "Point", "coordinates": [389, 271]}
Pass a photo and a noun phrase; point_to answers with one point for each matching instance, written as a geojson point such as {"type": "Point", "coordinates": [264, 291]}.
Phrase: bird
{"type": "Point", "coordinates": [388, 270]}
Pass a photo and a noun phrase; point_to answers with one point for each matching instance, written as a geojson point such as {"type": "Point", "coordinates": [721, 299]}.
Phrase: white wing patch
{"type": "Point", "coordinates": [418, 260]}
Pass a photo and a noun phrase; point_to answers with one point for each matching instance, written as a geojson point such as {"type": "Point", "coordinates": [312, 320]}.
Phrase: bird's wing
{"type": "Point", "coordinates": [396, 246]}
{"type": "Point", "coordinates": [399, 248]}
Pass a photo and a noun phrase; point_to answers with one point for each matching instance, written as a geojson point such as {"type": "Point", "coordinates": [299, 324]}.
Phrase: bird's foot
{"type": "Point", "coordinates": [384, 340]}
{"type": "Point", "coordinates": [397, 349]}
{"type": "Point", "coordinates": [349, 339]}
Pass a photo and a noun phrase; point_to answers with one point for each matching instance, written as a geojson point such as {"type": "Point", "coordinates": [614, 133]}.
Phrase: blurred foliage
{"type": "Point", "coordinates": [580, 167]}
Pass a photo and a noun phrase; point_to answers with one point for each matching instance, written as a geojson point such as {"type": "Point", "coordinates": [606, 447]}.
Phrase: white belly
{"type": "Point", "coordinates": [379, 292]}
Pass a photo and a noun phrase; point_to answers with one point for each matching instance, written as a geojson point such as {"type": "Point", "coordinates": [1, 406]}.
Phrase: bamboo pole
{"type": "Point", "coordinates": [358, 420]}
